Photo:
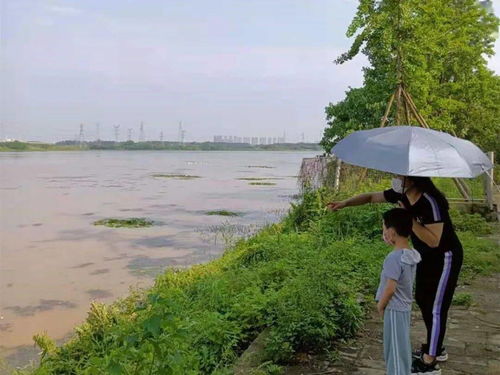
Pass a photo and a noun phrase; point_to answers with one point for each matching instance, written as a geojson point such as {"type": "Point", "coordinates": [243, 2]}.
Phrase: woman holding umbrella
{"type": "Point", "coordinates": [413, 155]}
{"type": "Point", "coordinates": [441, 251]}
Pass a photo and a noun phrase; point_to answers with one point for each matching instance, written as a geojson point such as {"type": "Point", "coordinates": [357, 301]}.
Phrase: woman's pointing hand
{"type": "Point", "coordinates": [335, 206]}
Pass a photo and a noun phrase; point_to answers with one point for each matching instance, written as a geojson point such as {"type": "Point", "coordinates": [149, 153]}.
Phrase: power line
{"type": "Point", "coordinates": [181, 134]}
{"type": "Point", "coordinates": [116, 129]}
{"type": "Point", "coordinates": [81, 137]}
{"type": "Point", "coordinates": [141, 133]}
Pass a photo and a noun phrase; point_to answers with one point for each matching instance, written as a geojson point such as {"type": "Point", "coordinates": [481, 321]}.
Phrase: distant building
{"type": "Point", "coordinates": [249, 140]}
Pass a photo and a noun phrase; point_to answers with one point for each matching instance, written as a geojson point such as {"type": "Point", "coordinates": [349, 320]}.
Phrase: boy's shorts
{"type": "Point", "coordinates": [397, 346]}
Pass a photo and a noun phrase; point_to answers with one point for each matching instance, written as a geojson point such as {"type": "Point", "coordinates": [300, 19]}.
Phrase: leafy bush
{"type": "Point", "coordinates": [481, 256]}
{"type": "Point", "coordinates": [474, 223]}
{"type": "Point", "coordinates": [308, 313]}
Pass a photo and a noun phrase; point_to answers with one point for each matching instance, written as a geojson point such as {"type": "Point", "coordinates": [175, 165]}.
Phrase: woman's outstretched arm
{"type": "Point", "coordinates": [358, 200]}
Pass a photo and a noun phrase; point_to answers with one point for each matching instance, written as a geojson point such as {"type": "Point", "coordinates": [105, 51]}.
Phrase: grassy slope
{"type": "Point", "coordinates": [308, 278]}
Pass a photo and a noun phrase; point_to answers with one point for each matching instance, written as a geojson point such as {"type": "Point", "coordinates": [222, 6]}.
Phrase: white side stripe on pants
{"type": "Point", "coordinates": [438, 301]}
{"type": "Point", "coordinates": [395, 342]}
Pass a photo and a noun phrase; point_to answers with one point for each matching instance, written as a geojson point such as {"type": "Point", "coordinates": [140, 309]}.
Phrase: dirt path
{"type": "Point", "coordinates": [472, 339]}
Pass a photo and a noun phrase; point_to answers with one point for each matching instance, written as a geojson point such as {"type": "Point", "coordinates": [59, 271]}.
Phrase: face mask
{"type": "Point", "coordinates": [397, 185]}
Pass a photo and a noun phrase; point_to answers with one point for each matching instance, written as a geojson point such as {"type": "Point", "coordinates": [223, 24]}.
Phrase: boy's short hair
{"type": "Point", "coordinates": [399, 219]}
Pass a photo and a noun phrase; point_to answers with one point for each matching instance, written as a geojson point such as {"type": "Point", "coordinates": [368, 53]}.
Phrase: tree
{"type": "Point", "coordinates": [437, 49]}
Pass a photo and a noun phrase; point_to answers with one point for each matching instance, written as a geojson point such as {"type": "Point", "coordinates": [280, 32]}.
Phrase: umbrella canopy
{"type": "Point", "coordinates": [413, 151]}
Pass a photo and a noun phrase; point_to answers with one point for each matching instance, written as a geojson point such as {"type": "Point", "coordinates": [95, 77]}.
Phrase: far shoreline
{"type": "Point", "coordinates": [17, 146]}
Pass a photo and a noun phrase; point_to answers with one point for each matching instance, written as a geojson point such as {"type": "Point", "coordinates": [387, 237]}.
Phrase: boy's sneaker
{"type": "Point", "coordinates": [442, 356]}
{"type": "Point", "coordinates": [419, 367]}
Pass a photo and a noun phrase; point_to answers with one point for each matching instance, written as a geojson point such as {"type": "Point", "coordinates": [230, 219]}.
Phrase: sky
{"type": "Point", "coordinates": [225, 67]}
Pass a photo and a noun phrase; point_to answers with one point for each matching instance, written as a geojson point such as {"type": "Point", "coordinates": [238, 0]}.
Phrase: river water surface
{"type": "Point", "coordinates": [54, 261]}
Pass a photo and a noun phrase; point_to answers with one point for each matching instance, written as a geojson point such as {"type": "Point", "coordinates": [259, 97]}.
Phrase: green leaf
{"type": "Point", "coordinates": [153, 324]}
{"type": "Point", "coordinates": [114, 368]}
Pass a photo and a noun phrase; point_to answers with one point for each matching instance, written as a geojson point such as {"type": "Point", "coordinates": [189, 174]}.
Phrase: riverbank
{"type": "Point", "coordinates": [309, 280]}
{"type": "Point", "coordinates": [154, 145]}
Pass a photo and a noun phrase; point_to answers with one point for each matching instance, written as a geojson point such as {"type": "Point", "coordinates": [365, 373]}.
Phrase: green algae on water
{"type": "Point", "coordinates": [133, 222]}
{"type": "Point", "coordinates": [257, 178]}
{"type": "Point", "coordinates": [223, 213]}
{"type": "Point", "coordinates": [262, 183]}
{"type": "Point", "coordinates": [177, 176]}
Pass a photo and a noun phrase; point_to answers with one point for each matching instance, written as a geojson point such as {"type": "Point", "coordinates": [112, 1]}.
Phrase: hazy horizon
{"type": "Point", "coordinates": [232, 68]}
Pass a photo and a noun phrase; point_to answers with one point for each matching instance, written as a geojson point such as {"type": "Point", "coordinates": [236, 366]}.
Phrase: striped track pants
{"type": "Point", "coordinates": [397, 346]}
{"type": "Point", "coordinates": [435, 284]}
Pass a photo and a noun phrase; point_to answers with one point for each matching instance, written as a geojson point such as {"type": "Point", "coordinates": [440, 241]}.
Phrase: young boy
{"type": "Point", "coordinates": [394, 294]}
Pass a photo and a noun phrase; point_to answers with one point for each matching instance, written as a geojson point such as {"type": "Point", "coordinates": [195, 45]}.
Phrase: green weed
{"type": "Point", "coordinates": [474, 223]}
{"type": "Point", "coordinates": [176, 176]}
{"type": "Point", "coordinates": [133, 222]}
{"type": "Point", "coordinates": [257, 178]}
{"type": "Point", "coordinates": [223, 213]}
{"type": "Point", "coordinates": [462, 299]}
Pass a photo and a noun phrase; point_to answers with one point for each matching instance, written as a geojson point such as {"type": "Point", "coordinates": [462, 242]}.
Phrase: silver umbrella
{"type": "Point", "coordinates": [413, 151]}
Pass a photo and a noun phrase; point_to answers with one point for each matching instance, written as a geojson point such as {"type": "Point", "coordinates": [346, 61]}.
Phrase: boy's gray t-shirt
{"type": "Point", "coordinates": [399, 265]}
